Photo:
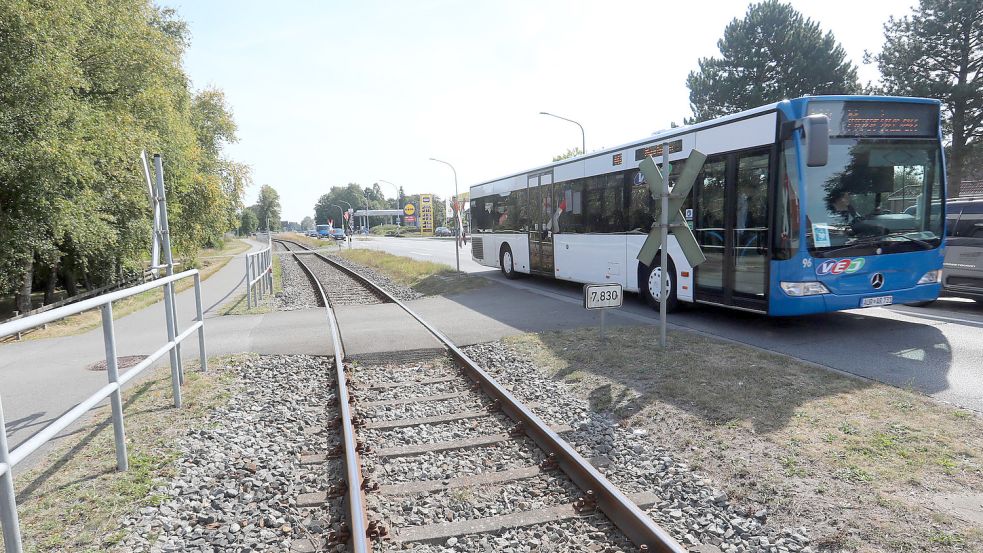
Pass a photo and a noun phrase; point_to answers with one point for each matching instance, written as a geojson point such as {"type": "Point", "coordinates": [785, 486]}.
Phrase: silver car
{"type": "Point", "coordinates": [962, 275]}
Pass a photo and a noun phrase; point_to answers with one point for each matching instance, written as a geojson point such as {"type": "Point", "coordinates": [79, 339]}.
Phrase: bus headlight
{"type": "Point", "coordinates": [798, 289]}
{"type": "Point", "coordinates": [931, 277]}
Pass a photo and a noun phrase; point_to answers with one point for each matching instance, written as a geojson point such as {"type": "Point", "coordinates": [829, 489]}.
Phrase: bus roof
{"type": "Point", "coordinates": [795, 104]}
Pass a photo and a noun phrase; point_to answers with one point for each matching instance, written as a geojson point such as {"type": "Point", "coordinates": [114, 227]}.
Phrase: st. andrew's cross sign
{"type": "Point", "coordinates": [677, 223]}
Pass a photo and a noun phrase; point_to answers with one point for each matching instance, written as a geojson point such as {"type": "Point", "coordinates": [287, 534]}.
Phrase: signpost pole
{"type": "Point", "coordinates": [602, 325]}
{"type": "Point", "coordinates": [664, 233]}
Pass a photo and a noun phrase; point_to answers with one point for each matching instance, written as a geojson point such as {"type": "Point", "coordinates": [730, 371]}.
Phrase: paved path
{"type": "Point", "coordinates": [937, 350]}
{"type": "Point", "coordinates": [41, 379]}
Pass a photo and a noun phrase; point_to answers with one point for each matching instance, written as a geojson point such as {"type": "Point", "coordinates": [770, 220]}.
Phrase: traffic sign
{"type": "Point", "coordinates": [602, 296]}
{"type": "Point", "coordinates": [677, 223]}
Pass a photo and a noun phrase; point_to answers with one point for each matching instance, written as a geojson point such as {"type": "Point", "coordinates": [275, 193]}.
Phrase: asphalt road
{"type": "Point", "coordinates": [937, 349]}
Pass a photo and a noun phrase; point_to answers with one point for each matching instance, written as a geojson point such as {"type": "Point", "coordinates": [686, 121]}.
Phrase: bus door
{"type": "Point", "coordinates": [731, 225]}
{"type": "Point", "coordinates": [541, 235]}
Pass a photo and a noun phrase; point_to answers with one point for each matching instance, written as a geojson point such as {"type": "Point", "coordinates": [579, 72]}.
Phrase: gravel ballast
{"type": "Point", "coordinates": [399, 291]}
{"type": "Point", "coordinates": [692, 511]}
{"type": "Point", "coordinates": [236, 484]}
{"type": "Point", "coordinates": [297, 290]}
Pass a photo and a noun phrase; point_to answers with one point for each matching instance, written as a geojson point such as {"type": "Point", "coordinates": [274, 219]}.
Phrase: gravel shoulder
{"type": "Point", "coordinates": [759, 442]}
{"type": "Point", "coordinates": [236, 478]}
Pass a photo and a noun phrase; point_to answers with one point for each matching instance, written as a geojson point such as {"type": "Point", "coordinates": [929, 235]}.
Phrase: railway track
{"type": "Point", "coordinates": [417, 434]}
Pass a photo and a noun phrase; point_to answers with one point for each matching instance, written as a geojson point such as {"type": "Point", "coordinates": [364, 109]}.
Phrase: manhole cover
{"type": "Point", "coordinates": [123, 363]}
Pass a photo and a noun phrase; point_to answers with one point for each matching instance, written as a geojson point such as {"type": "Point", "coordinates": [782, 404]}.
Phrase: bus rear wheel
{"type": "Point", "coordinates": [651, 285]}
{"type": "Point", "coordinates": [507, 263]}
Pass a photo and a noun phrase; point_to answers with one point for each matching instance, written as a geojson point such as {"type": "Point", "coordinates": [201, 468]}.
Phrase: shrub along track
{"type": "Point", "coordinates": [437, 434]}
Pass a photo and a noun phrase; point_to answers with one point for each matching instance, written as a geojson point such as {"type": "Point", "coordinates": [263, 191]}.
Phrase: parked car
{"type": "Point", "coordinates": [443, 231]}
{"type": "Point", "coordinates": [962, 273]}
{"type": "Point", "coordinates": [338, 233]}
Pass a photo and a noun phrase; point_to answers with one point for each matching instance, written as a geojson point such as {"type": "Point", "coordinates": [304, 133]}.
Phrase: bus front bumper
{"type": "Point", "coordinates": [807, 305]}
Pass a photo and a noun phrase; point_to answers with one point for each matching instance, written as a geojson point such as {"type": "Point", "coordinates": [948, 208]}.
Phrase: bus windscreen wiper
{"type": "Point", "coordinates": [875, 239]}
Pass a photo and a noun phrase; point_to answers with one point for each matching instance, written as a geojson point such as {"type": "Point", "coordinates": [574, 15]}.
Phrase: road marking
{"type": "Point", "coordinates": [939, 317]}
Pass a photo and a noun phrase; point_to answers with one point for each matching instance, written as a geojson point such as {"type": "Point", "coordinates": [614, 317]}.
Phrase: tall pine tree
{"type": "Point", "coordinates": [773, 53]}
{"type": "Point", "coordinates": [937, 52]}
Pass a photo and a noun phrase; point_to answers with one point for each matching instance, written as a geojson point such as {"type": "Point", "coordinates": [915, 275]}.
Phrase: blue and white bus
{"type": "Point", "coordinates": [790, 223]}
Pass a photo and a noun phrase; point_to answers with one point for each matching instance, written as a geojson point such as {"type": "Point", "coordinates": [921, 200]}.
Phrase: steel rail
{"type": "Point", "coordinates": [628, 517]}
{"type": "Point", "coordinates": [357, 514]}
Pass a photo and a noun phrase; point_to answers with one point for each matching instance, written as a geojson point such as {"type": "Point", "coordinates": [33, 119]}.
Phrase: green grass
{"type": "Point", "coordinates": [426, 277]}
{"type": "Point", "coordinates": [75, 499]}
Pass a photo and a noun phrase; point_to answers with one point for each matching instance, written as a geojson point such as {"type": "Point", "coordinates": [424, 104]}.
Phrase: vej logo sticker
{"type": "Point", "coordinates": [840, 266]}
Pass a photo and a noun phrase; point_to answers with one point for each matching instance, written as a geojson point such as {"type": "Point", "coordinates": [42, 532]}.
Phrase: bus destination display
{"type": "Point", "coordinates": [878, 118]}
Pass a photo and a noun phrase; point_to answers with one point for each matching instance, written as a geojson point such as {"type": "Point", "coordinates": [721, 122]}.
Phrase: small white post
{"type": "Point", "coordinates": [201, 329]}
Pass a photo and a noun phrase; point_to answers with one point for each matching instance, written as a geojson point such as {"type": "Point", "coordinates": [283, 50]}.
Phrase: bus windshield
{"type": "Point", "coordinates": [875, 194]}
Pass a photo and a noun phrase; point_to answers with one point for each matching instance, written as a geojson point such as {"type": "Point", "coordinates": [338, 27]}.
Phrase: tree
{"type": "Point", "coordinates": [86, 86]}
{"type": "Point", "coordinates": [571, 152]}
{"type": "Point", "coordinates": [248, 222]}
{"type": "Point", "coordinates": [771, 54]}
{"type": "Point", "coordinates": [268, 208]}
{"type": "Point", "coordinates": [307, 223]}
{"type": "Point", "coordinates": [938, 53]}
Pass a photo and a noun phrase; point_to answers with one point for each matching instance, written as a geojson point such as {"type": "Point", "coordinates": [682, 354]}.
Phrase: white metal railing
{"type": "Point", "coordinates": [259, 273]}
{"type": "Point", "coordinates": [9, 459]}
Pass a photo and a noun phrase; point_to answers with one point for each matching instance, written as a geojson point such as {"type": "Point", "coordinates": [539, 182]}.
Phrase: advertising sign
{"type": "Point", "coordinates": [426, 213]}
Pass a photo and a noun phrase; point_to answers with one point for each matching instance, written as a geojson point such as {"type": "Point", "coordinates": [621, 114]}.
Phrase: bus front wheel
{"type": "Point", "coordinates": [652, 285]}
{"type": "Point", "coordinates": [507, 263]}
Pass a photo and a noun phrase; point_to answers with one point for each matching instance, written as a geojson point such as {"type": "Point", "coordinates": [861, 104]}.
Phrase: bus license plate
{"type": "Point", "coordinates": [879, 300]}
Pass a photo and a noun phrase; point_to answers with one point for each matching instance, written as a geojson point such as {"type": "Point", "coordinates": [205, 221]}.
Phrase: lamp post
{"type": "Point", "coordinates": [341, 210]}
{"type": "Point", "coordinates": [399, 199]}
{"type": "Point", "coordinates": [460, 227]}
{"type": "Point", "coordinates": [583, 140]}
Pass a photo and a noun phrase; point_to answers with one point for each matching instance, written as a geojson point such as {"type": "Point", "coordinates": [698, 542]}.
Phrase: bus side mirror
{"type": "Point", "coordinates": [816, 128]}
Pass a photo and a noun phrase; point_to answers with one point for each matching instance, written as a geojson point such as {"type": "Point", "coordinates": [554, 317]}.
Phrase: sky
{"type": "Point", "coordinates": [330, 92]}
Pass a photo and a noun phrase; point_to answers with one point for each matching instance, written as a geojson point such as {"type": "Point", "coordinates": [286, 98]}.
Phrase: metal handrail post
{"type": "Point", "coordinates": [116, 399]}
{"type": "Point", "coordinates": [249, 301]}
{"type": "Point", "coordinates": [177, 346]}
{"type": "Point", "coordinates": [8, 500]}
{"type": "Point", "coordinates": [201, 329]}
{"type": "Point", "coordinates": [269, 257]}
{"type": "Point", "coordinates": [175, 374]}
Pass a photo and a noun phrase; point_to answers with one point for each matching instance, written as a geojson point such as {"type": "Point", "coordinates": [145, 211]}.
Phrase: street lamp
{"type": "Point", "coordinates": [583, 140]}
{"type": "Point", "coordinates": [398, 197]}
{"type": "Point", "coordinates": [342, 211]}
{"type": "Point", "coordinates": [460, 229]}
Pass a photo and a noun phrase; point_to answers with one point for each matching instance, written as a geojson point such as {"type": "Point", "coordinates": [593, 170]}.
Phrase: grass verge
{"type": "Point", "coordinates": [238, 305]}
{"type": "Point", "coordinates": [426, 277]}
{"type": "Point", "coordinates": [210, 262]}
{"type": "Point", "coordinates": [74, 499]}
{"type": "Point", "coordinates": [865, 466]}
